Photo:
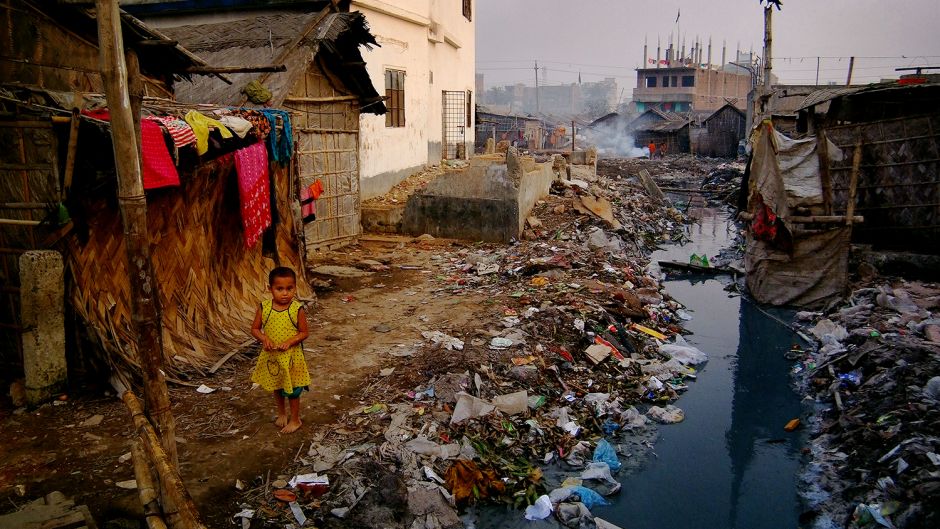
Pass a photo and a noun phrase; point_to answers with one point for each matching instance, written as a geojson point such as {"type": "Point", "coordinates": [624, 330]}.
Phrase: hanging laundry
{"type": "Point", "coordinates": [280, 143]}
{"type": "Point", "coordinates": [238, 125]}
{"type": "Point", "coordinates": [251, 164]}
{"type": "Point", "coordinates": [158, 167]}
{"type": "Point", "coordinates": [316, 189]}
{"type": "Point", "coordinates": [262, 127]}
{"type": "Point", "coordinates": [308, 204]}
{"type": "Point", "coordinates": [200, 125]}
{"type": "Point", "coordinates": [179, 130]}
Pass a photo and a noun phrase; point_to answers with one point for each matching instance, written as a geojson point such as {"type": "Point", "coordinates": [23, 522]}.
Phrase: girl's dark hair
{"type": "Point", "coordinates": [281, 271]}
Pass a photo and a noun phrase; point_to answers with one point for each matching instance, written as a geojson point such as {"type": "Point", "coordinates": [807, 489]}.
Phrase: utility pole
{"type": "Point", "coordinates": [848, 81]}
{"type": "Point", "coordinates": [125, 138]}
{"type": "Point", "coordinates": [817, 71]}
{"type": "Point", "coordinates": [538, 106]}
{"type": "Point", "coordinates": [768, 39]}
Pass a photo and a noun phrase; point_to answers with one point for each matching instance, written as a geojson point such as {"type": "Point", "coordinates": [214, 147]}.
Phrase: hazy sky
{"type": "Point", "coordinates": [604, 38]}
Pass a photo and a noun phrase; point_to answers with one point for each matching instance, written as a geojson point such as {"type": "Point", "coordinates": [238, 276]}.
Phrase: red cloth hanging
{"type": "Point", "coordinates": [251, 164]}
{"type": "Point", "coordinates": [158, 170]}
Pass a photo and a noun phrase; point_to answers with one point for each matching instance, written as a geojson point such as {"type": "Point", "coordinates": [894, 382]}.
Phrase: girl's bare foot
{"type": "Point", "coordinates": [291, 426]}
{"type": "Point", "coordinates": [281, 421]}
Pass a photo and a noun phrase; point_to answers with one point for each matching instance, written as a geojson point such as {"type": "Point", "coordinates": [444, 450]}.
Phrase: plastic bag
{"type": "Point", "coordinates": [541, 509]}
{"type": "Point", "coordinates": [605, 453]}
{"type": "Point", "coordinates": [588, 497]}
{"type": "Point", "coordinates": [682, 352]}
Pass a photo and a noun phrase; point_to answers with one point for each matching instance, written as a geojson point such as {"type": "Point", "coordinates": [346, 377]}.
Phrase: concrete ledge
{"type": "Point", "coordinates": [378, 185]}
{"type": "Point", "coordinates": [42, 300]}
{"type": "Point", "coordinates": [489, 201]}
{"type": "Point", "coordinates": [382, 218]}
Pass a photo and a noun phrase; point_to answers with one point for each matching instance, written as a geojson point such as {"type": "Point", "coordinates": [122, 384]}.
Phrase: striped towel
{"type": "Point", "coordinates": [180, 131]}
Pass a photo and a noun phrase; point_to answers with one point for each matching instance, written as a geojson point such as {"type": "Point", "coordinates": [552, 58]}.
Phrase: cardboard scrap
{"type": "Point", "coordinates": [597, 353]}
{"type": "Point", "coordinates": [601, 207]}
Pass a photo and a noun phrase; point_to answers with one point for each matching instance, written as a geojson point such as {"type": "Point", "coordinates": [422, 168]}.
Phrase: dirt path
{"type": "Point", "coordinates": [228, 434]}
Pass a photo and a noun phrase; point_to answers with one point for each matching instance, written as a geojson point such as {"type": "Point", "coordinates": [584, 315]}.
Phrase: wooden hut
{"type": "Point", "coordinates": [893, 182]}
{"type": "Point", "coordinates": [324, 86]}
{"type": "Point", "coordinates": [724, 128]}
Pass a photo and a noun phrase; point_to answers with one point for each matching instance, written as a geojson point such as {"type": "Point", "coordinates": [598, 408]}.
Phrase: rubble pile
{"type": "Point", "coordinates": [400, 192]}
{"type": "Point", "coordinates": [875, 451]}
{"type": "Point", "coordinates": [576, 355]}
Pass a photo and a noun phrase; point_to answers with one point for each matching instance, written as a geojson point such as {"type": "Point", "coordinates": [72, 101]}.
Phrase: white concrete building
{"type": "Point", "coordinates": [426, 65]}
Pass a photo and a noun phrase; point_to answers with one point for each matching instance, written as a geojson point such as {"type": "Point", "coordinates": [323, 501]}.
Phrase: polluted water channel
{"type": "Point", "coordinates": [730, 463]}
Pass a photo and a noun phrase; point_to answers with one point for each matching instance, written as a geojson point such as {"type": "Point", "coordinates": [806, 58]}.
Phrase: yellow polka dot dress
{"type": "Point", "coordinates": [281, 370]}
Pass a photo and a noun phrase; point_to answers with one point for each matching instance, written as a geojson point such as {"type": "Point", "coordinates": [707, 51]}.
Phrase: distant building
{"type": "Point", "coordinates": [684, 83]}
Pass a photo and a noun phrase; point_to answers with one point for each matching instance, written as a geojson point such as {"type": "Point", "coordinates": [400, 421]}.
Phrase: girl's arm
{"type": "Point", "coordinates": [256, 331]}
{"type": "Point", "coordinates": [302, 332]}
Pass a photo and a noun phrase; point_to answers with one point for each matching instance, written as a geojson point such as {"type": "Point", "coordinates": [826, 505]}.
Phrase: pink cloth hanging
{"type": "Point", "coordinates": [254, 190]}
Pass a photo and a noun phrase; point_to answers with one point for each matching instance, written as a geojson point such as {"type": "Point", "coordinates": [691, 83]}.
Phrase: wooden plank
{"type": "Point", "coordinates": [206, 70]}
{"type": "Point", "coordinates": [822, 151]}
{"type": "Point", "coordinates": [326, 99]}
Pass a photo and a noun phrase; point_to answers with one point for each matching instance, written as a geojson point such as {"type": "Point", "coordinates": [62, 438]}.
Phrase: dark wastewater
{"type": "Point", "coordinates": [729, 464]}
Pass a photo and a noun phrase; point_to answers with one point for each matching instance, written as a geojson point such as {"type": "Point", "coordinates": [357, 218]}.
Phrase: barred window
{"type": "Point", "coordinates": [395, 94]}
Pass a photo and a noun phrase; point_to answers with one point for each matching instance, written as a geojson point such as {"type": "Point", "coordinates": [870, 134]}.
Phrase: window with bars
{"type": "Point", "coordinates": [395, 94]}
{"type": "Point", "coordinates": [468, 9]}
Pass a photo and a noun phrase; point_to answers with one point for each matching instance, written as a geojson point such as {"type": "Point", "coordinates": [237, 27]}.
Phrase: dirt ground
{"type": "Point", "coordinates": [229, 435]}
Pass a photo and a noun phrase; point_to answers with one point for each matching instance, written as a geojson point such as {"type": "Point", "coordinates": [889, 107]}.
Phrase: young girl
{"type": "Point", "coordinates": [281, 325]}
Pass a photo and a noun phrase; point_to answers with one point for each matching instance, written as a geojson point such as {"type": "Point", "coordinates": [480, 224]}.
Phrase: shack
{"type": "Point", "coordinates": [323, 84]}
{"type": "Point", "coordinates": [523, 131]}
{"type": "Point", "coordinates": [725, 128]}
{"type": "Point", "coordinates": [895, 127]}
{"type": "Point", "coordinates": [659, 127]}
{"type": "Point", "coordinates": [796, 254]}
{"type": "Point", "coordinates": [46, 174]}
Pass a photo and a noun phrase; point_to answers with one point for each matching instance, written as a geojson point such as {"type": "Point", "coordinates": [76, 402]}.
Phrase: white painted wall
{"type": "Point", "coordinates": [420, 37]}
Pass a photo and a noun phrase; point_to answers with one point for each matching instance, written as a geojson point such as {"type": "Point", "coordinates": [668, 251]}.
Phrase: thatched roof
{"type": "Point", "coordinates": [297, 38]}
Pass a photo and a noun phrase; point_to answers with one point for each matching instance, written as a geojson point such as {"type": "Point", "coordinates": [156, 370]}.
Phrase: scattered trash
{"type": "Point", "coordinates": [668, 415]}
{"type": "Point", "coordinates": [792, 425]}
{"type": "Point", "coordinates": [448, 342]}
{"type": "Point", "coordinates": [204, 389]}
{"type": "Point", "coordinates": [540, 510]}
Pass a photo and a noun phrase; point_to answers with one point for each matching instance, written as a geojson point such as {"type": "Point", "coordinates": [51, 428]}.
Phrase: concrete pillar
{"type": "Point", "coordinates": [42, 309]}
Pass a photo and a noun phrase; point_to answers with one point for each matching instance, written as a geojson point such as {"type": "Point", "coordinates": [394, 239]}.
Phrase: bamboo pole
{"type": "Point", "coordinates": [812, 219]}
{"type": "Point", "coordinates": [853, 182]}
{"type": "Point", "coordinates": [145, 487]}
{"type": "Point", "coordinates": [133, 204]}
{"type": "Point", "coordinates": [172, 484]}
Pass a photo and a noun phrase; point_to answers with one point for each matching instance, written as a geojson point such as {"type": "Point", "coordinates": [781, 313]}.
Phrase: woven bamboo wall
{"type": "Point", "coordinates": [898, 189]}
{"type": "Point", "coordinates": [28, 173]}
{"type": "Point", "coordinates": [209, 283]}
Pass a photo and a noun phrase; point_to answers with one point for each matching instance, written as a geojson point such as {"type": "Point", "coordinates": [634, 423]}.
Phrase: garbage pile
{"type": "Point", "coordinates": [877, 373]}
{"type": "Point", "coordinates": [576, 355]}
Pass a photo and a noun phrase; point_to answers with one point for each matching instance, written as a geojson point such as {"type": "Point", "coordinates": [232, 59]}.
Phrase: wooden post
{"type": "Point", "coordinates": [822, 151]}
{"type": "Point", "coordinates": [848, 81]}
{"type": "Point", "coordinates": [853, 182]}
{"type": "Point", "coordinates": [133, 204]}
{"type": "Point", "coordinates": [572, 135]}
